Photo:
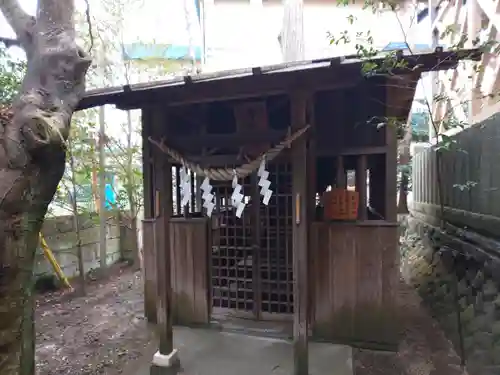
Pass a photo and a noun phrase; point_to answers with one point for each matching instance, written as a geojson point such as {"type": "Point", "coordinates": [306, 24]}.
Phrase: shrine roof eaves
{"type": "Point", "coordinates": [281, 77]}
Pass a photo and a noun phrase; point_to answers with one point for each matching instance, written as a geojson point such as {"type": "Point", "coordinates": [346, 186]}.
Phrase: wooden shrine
{"type": "Point", "coordinates": [324, 251]}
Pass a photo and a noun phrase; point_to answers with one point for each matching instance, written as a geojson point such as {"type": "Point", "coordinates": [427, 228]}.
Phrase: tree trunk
{"type": "Point", "coordinates": [76, 221]}
{"type": "Point", "coordinates": [403, 194]}
{"type": "Point", "coordinates": [136, 259]}
{"type": "Point", "coordinates": [32, 161]}
{"type": "Point", "coordinates": [404, 159]}
{"type": "Point", "coordinates": [103, 215]}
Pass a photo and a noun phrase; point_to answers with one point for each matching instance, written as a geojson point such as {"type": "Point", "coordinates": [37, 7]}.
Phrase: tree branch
{"type": "Point", "coordinates": [9, 42]}
{"type": "Point", "coordinates": [20, 21]}
{"type": "Point", "coordinates": [53, 86]}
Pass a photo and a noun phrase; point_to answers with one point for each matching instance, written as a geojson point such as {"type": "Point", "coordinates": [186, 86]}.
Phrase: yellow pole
{"type": "Point", "coordinates": [53, 262]}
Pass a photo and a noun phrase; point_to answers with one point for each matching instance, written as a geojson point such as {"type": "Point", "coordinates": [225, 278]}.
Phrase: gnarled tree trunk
{"type": "Point", "coordinates": [32, 160]}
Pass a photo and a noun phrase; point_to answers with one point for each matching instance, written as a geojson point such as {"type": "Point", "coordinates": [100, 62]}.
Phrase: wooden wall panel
{"type": "Point", "coordinates": [190, 281]}
{"type": "Point", "coordinates": [354, 274]}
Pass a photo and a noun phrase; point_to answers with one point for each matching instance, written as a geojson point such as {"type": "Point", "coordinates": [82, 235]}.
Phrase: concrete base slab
{"type": "Point", "coordinates": [211, 352]}
{"type": "Point", "coordinates": [166, 360]}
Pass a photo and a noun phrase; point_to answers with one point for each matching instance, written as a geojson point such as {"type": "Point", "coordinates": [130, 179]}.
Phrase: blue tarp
{"type": "Point", "coordinates": [402, 45]}
{"type": "Point", "coordinates": [142, 51]}
{"type": "Point", "coordinates": [110, 196]}
{"type": "Point", "coordinates": [85, 196]}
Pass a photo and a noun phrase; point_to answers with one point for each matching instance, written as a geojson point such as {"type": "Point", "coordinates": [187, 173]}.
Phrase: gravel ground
{"type": "Point", "coordinates": [96, 334]}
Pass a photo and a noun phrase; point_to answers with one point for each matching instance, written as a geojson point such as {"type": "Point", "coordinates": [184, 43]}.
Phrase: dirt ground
{"type": "Point", "coordinates": [104, 332]}
{"type": "Point", "coordinates": [98, 334]}
{"type": "Point", "coordinates": [424, 350]}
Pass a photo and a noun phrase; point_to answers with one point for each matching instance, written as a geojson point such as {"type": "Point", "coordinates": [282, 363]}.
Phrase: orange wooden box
{"type": "Point", "coordinates": [340, 204]}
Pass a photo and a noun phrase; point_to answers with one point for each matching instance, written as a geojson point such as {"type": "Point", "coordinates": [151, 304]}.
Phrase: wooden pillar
{"type": "Point", "coordinates": [340, 174]}
{"type": "Point", "coordinates": [192, 201]}
{"type": "Point", "coordinates": [198, 201]}
{"type": "Point", "coordinates": [164, 291]}
{"type": "Point", "coordinates": [256, 241]}
{"type": "Point", "coordinates": [299, 157]}
{"type": "Point", "coordinates": [199, 179]}
{"type": "Point", "coordinates": [311, 199]}
{"type": "Point", "coordinates": [311, 160]}
{"type": "Point", "coordinates": [148, 253]}
{"type": "Point", "coordinates": [398, 103]}
{"type": "Point", "coordinates": [166, 355]}
{"type": "Point", "coordinates": [361, 185]}
{"type": "Point", "coordinates": [377, 188]}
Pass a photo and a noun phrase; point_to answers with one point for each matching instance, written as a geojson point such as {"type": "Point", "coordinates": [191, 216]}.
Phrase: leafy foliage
{"type": "Point", "coordinates": [81, 164]}
{"type": "Point", "coordinates": [11, 76]}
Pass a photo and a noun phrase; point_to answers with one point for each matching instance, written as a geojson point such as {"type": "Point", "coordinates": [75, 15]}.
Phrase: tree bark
{"type": "Point", "coordinates": [32, 161]}
{"type": "Point", "coordinates": [403, 194]}
{"type": "Point", "coordinates": [76, 221]}
{"type": "Point", "coordinates": [404, 159]}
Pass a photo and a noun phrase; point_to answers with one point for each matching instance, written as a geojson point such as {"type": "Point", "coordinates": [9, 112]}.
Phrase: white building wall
{"type": "Point", "coordinates": [240, 34]}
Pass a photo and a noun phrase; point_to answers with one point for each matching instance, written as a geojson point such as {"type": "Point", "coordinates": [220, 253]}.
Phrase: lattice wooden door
{"type": "Point", "coordinates": [252, 256]}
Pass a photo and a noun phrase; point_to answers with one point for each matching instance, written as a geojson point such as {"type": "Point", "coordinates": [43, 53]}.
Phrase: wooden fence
{"type": "Point", "coordinates": [469, 176]}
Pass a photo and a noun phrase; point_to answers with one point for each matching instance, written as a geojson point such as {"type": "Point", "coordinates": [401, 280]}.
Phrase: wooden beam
{"type": "Point", "coordinates": [222, 160]}
{"type": "Point", "coordinates": [300, 229]}
{"type": "Point", "coordinates": [352, 151]}
{"type": "Point", "coordinates": [232, 140]}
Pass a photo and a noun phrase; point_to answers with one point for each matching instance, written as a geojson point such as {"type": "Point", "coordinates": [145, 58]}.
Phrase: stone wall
{"type": "Point", "coordinates": [460, 286]}
{"type": "Point", "coordinates": [60, 234]}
